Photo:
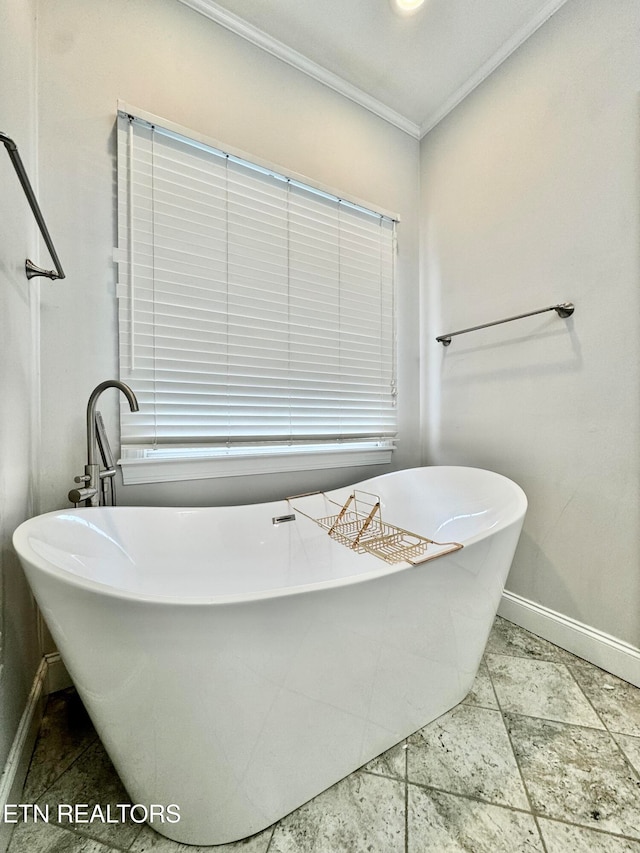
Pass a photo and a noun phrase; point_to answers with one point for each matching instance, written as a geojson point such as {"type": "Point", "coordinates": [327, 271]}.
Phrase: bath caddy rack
{"type": "Point", "coordinates": [358, 524]}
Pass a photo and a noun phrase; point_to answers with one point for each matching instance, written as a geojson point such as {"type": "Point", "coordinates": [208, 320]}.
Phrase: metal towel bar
{"type": "Point", "coordinates": [563, 309]}
{"type": "Point", "coordinates": [30, 268]}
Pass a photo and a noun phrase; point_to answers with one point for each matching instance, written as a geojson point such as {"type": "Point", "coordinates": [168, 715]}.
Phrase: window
{"type": "Point", "coordinates": [256, 314]}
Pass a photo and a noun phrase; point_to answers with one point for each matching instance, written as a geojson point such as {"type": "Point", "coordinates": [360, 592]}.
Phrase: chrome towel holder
{"type": "Point", "coordinates": [563, 309]}
{"type": "Point", "coordinates": [31, 269]}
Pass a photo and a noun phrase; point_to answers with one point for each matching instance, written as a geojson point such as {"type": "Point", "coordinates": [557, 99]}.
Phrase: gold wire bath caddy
{"type": "Point", "coordinates": [358, 524]}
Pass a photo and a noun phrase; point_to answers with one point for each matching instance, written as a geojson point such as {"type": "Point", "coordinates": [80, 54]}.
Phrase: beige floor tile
{"type": "Point", "coordinates": [540, 688]}
{"type": "Point", "coordinates": [362, 814]}
{"type": "Point", "coordinates": [615, 700]}
{"type": "Point", "coordinates": [92, 780]}
{"type": "Point", "coordinates": [65, 733]}
{"type": "Point", "coordinates": [47, 838]}
{"type": "Point", "coordinates": [576, 774]}
{"type": "Point", "coordinates": [444, 823]}
{"type": "Point", "coordinates": [467, 751]}
{"type": "Point", "coordinates": [509, 639]}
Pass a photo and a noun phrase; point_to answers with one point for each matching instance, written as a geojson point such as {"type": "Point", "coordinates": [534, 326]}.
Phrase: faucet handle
{"type": "Point", "coordinates": [76, 496]}
{"type": "Point", "coordinates": [81, 478]}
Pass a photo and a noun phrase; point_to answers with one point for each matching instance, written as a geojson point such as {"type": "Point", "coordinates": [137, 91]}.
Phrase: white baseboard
{"type": "Point", "coordinates": [603, 650]}
{"type": "Point", "coordinates": [51, 676]}
{"type": "Point", "coordinates": [57, 676]}
{"type": "Point", "coordinates": [15, 769]}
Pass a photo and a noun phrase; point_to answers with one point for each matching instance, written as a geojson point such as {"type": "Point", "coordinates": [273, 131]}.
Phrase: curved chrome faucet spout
{"type": "Point", "coordinates": [89, 493]}
{"type": "Point", "coordinates": [91, 412]}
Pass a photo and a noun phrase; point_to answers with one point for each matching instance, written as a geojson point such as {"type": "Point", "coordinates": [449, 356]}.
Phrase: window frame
{"type": "Point", "coordinates": [144, 464]}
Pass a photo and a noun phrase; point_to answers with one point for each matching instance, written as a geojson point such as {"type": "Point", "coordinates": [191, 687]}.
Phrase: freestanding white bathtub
{"type": "Point", "coordinates": [237, 667]}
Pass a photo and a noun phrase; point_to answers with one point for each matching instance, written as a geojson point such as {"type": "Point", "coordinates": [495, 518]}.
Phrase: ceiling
{"type": "Point", "coordinates": [411, 70]}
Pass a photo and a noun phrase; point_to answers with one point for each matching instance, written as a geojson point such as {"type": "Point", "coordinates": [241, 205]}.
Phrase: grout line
{"type": "Point", "coordinates": [534, 813]}
{"type": "Point", "coordinates": [635, 839]}
{"type": "Point", "coordinates": [568, 665]}
{"type": "Point", "coordinates": [466, 704]}
{"type": "Point", "coordinates": [108, 845]}
{"type": "Point", "coordinates": [627, 761]}
{"type": "Point", "coordinates": [557, 722]}
{"type": "Point", "coordinates": [536, 658]}
{"type": "Point", "coordinates": [273, 832]}
{"type": "Point", "coordinates": [82, 832]}
{"type": "Point", "coordinates": [610, 732]}
{"type": "Point", "coordinates": [406, 795]}
{"type": "Point", "coordinates": [515, 758]}
{"type": "Point", "coordinates": [605, 729]}
{"type": "Point", "coordinates": [138, 834]}
{"type": "Point", "coordinates": [471, 797]}
{"type": "Point", "coordinates": [379, 775]}
{"type": "Point", "coordinates": [589, 702]}
{"type": "Point", "coordinates": [541, 836]}
{"type": "Point", "coordinates": [61, 774]}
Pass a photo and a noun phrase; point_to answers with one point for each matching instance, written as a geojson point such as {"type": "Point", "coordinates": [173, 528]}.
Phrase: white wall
{"type": "Point", "coordinates": [170, 61]}
{"type": "Point", "coordinates": [19, 655]}
{"type": "Point", "coordinates": [529, 197]}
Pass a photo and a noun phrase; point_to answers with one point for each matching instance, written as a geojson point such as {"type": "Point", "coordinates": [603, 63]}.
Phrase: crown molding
{"type": "Point", "coordinates": [504, 51]}
{"type": "Point", "coordinates": [276, 48]}
{"type": "Point", "coordinates": [212, 10]}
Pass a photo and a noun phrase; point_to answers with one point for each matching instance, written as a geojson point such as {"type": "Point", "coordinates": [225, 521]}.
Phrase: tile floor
{"type": "Point", "coordinates": [543, 755]}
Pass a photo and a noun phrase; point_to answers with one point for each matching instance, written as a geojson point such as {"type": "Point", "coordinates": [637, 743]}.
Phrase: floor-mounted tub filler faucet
{"type": "Point", "coordinates": [93, 483]}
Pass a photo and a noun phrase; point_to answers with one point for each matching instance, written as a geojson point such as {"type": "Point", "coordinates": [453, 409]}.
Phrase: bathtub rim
{"type": "Point", "coordinates": [25, 552]}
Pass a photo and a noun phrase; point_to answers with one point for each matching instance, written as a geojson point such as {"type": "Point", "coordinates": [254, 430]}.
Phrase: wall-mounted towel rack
{"type": "Point", "coordinates": [30, 268]}
{"type": "Point", "coordinates": [563, 309]}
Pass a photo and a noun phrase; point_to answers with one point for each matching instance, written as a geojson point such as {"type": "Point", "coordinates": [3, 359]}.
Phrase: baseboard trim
{"type": "Point", "coordinates": [603, 650]}
{"type": "Point", "coordinates": [57, 676]}
{"type": "Point", "coordinates": [15, 769]}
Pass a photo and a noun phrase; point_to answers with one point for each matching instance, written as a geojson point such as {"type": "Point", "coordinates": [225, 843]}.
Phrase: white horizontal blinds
{"type": "Point", "coordinates": [341, 318]}
{"type": "Point", "coordinates": [262, 310]}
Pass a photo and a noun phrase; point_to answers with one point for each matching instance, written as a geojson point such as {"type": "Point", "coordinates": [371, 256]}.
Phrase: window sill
{"type": "Point", "coordinates": [143, 466]}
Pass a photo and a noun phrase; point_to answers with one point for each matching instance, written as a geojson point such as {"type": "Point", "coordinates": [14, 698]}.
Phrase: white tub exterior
{"type": "Point", "coordinates": [238, 668]}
